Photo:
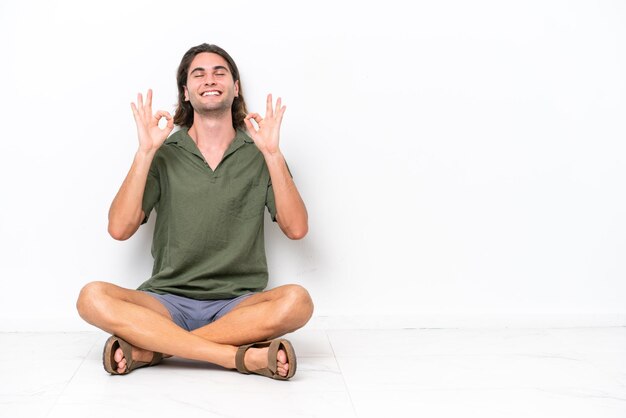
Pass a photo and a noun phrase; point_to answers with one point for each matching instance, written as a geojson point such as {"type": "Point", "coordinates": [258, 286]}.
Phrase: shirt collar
{"type": "Point", "coordinates": [183, 140]}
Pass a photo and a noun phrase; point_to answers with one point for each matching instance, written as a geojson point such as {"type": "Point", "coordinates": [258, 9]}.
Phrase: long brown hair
{"type": "Point", "coordinates": [184, 111]}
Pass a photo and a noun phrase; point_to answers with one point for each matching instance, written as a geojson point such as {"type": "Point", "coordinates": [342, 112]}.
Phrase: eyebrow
{"type": "Point", "coordinates": [217, 67]}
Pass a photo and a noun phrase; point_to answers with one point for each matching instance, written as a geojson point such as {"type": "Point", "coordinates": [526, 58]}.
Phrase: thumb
{"type": "Point", "coordinates": [249, 127]}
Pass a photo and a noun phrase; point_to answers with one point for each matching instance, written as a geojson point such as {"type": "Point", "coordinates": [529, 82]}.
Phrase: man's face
{"type": "Point", "coordinates": [210, 86]}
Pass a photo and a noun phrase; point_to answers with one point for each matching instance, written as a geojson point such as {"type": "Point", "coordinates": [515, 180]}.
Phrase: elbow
{"type": "Point", "coordinates": [298, 233]}
{"type": "Point", "coordinates": [293, 229]}
{"type": "Point", "coordinates": [118, 233]}
{"type": "Point", "coordinates": [121, 228]}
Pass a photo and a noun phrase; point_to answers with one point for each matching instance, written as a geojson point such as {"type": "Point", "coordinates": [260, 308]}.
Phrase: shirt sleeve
{"type": "Point", "coordinates": [270, 201]}
{"type": "Point", "coordinates": [152, 192]}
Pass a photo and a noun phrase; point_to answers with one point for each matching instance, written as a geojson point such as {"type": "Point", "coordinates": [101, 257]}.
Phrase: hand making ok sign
{"type": "Point", "coordinates": [151, 136]}
{"type": "Point", "coordinates": [267, 134]}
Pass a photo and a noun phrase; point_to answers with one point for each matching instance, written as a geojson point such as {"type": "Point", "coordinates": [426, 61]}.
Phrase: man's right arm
{"type": "Point", "coordinates": [126, 213]}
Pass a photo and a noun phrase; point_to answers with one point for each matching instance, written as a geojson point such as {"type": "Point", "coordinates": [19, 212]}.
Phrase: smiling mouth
{"type": "Point", "coordinates": [211, 93]}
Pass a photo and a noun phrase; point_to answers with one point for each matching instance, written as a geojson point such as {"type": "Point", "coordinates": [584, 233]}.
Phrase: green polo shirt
{"type": "Point", "coordinates": [208, 239]}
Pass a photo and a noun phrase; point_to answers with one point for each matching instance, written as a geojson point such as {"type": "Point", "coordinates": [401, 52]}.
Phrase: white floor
{"type": "Point", "coordinates": [431, 373]}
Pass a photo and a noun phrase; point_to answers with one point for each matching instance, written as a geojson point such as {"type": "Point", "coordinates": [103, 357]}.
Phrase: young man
{"type": "Point", "coordinates": [209, 183]}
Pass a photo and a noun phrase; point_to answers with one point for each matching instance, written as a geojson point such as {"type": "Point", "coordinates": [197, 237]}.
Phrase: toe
{"type": "Point", "coordinates": [281, 357]}
{"type": "Point", "coordinates": [120, 360]}
{"type": "Point", "coordinates": [119, 355]}
{"type": "Point", "coordinates": [282, 365]}
{"type": "Point", "coordinates": [121, 366]}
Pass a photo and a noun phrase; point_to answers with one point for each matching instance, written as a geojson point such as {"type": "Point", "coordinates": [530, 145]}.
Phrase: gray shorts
{"type": "Point", "coordinates": [190, 314]}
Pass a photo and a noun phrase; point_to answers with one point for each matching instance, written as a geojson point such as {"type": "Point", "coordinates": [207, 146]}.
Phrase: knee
{"type": "Point", "coordinates": [297, 306]}
{"type": "Point", "coordinates": [90, 300]}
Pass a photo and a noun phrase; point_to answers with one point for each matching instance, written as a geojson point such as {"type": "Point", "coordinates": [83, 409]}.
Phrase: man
{"type": "Point", "coordinates": [209, 183]}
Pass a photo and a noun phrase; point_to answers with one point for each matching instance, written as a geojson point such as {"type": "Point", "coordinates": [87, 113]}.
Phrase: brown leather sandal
{"type": "Point", "coordinates": [272, 363]}
{"type": "Point", "coordinates": [112, 345]}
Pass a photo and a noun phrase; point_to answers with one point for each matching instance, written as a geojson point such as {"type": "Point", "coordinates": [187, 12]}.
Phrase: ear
{"type": "Point", "coordinates": [186, 93]}
{"type": "Point", "coordinates": [237, 88]}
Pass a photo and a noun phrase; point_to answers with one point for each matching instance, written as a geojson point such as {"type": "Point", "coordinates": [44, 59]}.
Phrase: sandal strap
{"type": "Point", "coordinates": [239, 359]}
{"type": "Point", "coordinates": [156, 358]}
{"type": "Point", "coordinates": [272, 363]}
{"type": "Point", "coordinates": [131, 364]}
{"type": "Point", "coordinates": [127, 349]}
{"type": "Point", "coordinates": [272, 353]}
{"type": "Point", "coordinates": [135, 364]}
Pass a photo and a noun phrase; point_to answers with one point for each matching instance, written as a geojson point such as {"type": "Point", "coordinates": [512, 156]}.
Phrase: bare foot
{"type": "Point", "coordinates": [138, 355]}
{"type": "Point", "coordinates": [256, 358]}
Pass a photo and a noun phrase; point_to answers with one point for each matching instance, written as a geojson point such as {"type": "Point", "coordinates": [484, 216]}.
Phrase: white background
{"type": "Point", "coordinates": [458, 159]}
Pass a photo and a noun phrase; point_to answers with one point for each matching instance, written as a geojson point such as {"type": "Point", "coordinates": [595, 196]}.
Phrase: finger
{"type": "Point", "coordinates": [140, 102]}
{"type": "Point", "coordinates": [135, 112]}
{"type": "Point", "coordinates": [249, 126]}
{"type": "Point", "coordinates": [257, 118]}
{"type": "Point", "coordinates": [279, 107]}
{"type": "Point", "coordinates": [164, 114]}
{"type": "Point", "coordinates": [149, 99]}
{"type": "Point", "coordinates": [279, 117]}
{"type": "Point", "coordinates": [170, 122]}
{"type": "Point", "coordinates": [269, 112]}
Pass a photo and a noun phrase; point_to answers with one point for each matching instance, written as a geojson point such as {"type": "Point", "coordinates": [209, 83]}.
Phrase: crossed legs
{"type": "Point", "coordinates": [145, 323]}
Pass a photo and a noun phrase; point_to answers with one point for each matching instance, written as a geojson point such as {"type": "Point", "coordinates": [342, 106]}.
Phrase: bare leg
{"type": "Point", "coordinates": [262, 316]}
{"type": "Point", "coordinates": [144, 322]}
{"type": "Point", "coordinates": [126, 313]}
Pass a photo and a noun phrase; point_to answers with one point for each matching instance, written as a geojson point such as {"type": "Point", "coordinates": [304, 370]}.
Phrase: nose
{"type": "Point", "coordinates": [209, 80]}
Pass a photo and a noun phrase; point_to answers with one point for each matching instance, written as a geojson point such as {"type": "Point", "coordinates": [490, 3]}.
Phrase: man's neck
{"type": "Point", "coordinates": [210, 132]}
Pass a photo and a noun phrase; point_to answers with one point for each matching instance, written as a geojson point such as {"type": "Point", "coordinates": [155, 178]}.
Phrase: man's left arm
{"type": "Point", "coordinates": [291, 213]}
